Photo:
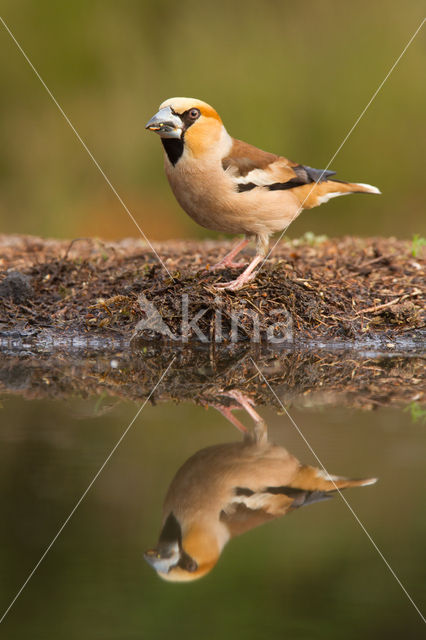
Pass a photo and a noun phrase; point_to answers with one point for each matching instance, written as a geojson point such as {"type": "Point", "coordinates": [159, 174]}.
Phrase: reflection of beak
{"type": "Point", "coordinates": [163, 559]}
{"type": "Point", "coordinates": [166, 124]}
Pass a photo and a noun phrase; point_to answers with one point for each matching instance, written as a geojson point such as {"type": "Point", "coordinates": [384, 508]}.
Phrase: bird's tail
{"type": "Point", "coordinates": [312, 195]}
{"type": "Point", "coordinates": [314, 479]}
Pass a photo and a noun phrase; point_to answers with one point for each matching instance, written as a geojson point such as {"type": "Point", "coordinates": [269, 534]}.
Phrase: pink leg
{"type": "Point", "coordinates": [246, 276]}
{"type": "Point", "coordinates": [227, 261]}
{"type": "Point", "coordinates": [246, 403]}
{"type": "Point", "coordinates": [227, 413]}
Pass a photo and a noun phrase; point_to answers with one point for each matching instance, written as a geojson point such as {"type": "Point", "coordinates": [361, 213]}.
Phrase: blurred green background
{"type": "Point", "coordinates": [288, 77]}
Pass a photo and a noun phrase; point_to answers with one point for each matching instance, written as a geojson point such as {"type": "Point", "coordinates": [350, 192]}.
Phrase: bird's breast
{"type": "Point", "coordinates": [205, 192]}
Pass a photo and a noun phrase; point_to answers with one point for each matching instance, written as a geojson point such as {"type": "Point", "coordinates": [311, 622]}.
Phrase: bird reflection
{"type": "Point", "coordinates": [226, 489]}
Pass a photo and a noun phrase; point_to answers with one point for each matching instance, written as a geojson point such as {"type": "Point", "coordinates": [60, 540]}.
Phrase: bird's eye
{"type": "Point", "coordinates": [194, 114]}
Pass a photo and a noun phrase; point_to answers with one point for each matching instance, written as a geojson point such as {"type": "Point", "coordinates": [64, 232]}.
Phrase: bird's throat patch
{"type": "Point", "coordinates": [174, 148]}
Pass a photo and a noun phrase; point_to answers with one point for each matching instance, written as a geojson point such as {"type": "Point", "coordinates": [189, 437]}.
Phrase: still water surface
{"type": "Point", "coordinates": [312, 573]}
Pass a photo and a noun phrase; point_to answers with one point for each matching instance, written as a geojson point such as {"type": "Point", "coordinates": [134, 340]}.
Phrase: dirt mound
{"type": "Point", "coordinates": [348, 289]}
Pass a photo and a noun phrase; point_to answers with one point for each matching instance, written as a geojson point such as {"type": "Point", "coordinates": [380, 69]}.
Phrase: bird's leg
{"type": "Point", "coordinates": [249, 273]}
{"type": "Point", "coordinates": [227, 413]}
{"type": "Point", "coordinates": [227, 261]}
{"type": "Point", "coordinates": [260, 429]}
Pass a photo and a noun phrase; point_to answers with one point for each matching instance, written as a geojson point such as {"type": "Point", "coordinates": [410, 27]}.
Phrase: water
{"type": "Point", "coordinates": [309, 574]}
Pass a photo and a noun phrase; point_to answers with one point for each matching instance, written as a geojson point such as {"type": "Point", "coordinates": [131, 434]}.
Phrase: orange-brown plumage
{"type": "Point", "coordinates": [225, 490]}
{"type": "Point", "coordinates": [231, 186]}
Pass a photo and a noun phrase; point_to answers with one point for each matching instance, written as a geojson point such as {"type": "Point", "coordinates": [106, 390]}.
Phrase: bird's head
{"type": "Point", "coordinates": [178, 559]}
{"type": "Point", "coordinates": [192, 122]}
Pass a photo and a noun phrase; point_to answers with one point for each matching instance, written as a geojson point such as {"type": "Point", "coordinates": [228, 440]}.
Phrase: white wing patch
{"type": "Point", "coordinates": [262, 177]}
{"type": "Point", "coordinates": [259, 177]}
{"type": "Point", "coordinates": [253, 502]}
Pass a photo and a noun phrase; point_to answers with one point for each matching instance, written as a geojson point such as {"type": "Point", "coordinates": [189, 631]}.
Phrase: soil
{"type": "Point", "coordinates": [346, 290]}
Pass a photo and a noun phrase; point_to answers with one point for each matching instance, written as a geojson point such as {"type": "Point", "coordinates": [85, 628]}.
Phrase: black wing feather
{"type": "Point", "coordinates": [304, 175]}
{"type": "Point", "coordinates": [301, 497]}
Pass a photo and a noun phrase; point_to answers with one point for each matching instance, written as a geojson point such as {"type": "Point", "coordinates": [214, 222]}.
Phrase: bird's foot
{"type": "Point", "coordinates": [246, 402]}
{"type": "Point", "coordinates": [235, 285]}
{"type": "Point", "coordinates": [246, 276]}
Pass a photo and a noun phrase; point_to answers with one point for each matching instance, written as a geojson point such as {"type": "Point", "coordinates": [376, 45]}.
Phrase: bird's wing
{"type": "Point", "coordinates": [242, 519]}
{"type": "Point", "coordinates": [251, 167]}
{"type": "Point", "coordinates": [248, 509]}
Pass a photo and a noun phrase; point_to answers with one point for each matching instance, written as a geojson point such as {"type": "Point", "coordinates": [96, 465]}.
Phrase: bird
{"type": "Point", "coordinates": [228, 185]}
{"type": "Point", "coordinates": [227, 489]}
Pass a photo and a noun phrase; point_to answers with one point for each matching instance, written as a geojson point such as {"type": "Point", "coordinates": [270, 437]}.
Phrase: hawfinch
{"type": "Point", "coordinates": [227, 489]}
{"type": "Point", "coordinates": [228, 185]}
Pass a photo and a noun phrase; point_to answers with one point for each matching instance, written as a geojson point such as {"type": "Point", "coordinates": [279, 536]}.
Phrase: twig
{"type": "Point", "coordinates": [388, 304]}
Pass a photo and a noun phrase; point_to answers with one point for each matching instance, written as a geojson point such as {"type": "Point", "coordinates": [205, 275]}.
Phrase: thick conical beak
{"type": "Point", "coordinates": [163, 559]}
{"type": "Point", "coordinates": [166, 124]}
